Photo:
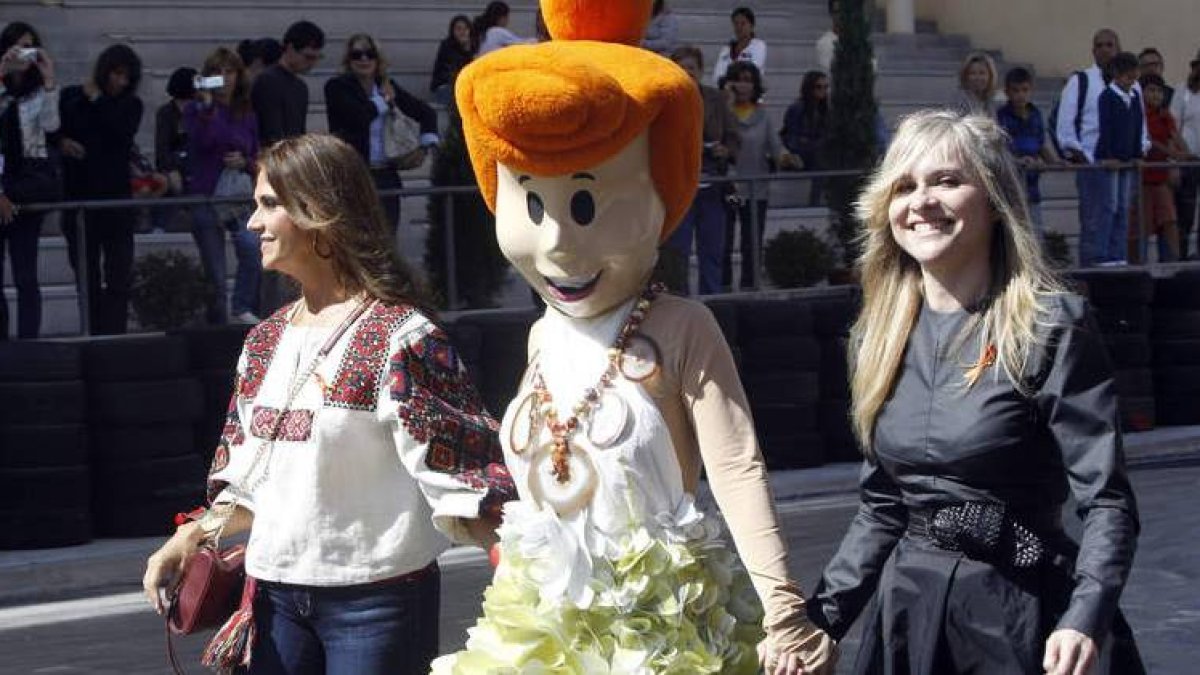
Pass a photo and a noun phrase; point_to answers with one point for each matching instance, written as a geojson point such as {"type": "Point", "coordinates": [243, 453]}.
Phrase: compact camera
{"type": "Point", "coordinates": [212, 82]}
{"type": "Point", "coordinates": [28, 53]}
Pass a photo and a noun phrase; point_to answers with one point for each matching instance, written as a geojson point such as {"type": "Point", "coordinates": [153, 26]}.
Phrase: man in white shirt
{"type": "Point", "coordinates": [1078, 130]}
{"type": "Point", "coordinates": [1185, 108]}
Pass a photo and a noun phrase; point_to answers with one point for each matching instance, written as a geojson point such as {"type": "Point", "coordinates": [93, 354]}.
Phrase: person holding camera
{"type": "Point", "coordinates": [358, 103]}
{"type": "Point", "coordinates": [28, 112]}
{"type": "Point", "coordinates": [223, 146]}
{"type": "Point", "coordinates": [99, 120]}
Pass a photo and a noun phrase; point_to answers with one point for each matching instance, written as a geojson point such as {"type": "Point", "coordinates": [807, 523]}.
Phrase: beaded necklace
{"type": "Point", "coordinates": [561, 430]}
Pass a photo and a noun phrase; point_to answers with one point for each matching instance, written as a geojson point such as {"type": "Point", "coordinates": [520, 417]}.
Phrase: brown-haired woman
{"type": "Point", "coordinates": [355, 443]}
{"type": "Point", "coordinates": [356, 106]}
{"type": "Point", "coordinates": [222, 134]}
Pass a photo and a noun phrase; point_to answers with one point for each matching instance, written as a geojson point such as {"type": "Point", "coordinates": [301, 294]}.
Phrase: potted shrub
{"type": "Point", "coordinates": [1058, 251]}
{"type": "Point", "coordinates": [796, 258]}
{"type": "Point", "coordinates": [168, 290]}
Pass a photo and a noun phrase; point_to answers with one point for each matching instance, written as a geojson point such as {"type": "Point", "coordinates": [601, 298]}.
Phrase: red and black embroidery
{"type": "Point", "coordinates": [259, 350]}
{"type": "Point", "coordinates": [356, 385]}
{"type": "Point", "coordinates": [231, 435]}
{"type": "Point", "coordinates": [296, 426]}
{"type": "Point", "coordinates": [439, 406]}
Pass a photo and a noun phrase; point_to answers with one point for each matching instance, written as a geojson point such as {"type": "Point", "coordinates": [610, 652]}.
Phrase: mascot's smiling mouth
{"type": "Point", "coordinates": [572, 289]}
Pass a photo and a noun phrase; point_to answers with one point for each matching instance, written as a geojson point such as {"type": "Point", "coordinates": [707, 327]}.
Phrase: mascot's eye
{"type": "Point", "coordinates": [537, 209]}
{"type": "Point", "coordinates": [583, 207]}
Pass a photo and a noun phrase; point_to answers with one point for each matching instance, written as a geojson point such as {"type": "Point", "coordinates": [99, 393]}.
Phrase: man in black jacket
{"type": "Point", "coordinates": [280, 100]}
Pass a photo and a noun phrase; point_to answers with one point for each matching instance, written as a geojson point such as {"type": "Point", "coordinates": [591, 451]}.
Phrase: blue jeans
{"type": "Point", "coordinates": [1121, 185]}
{"type": "Point", "coordinates": [209, 234]}
{"type": "Point", "coordinates": [1097, 213]}
{"type": "Point", "coordinates": [1036, 219]}
{"type": "Point", "coordinates": [384, 628]}
{"type": "Point", "coordinates": [705, 220]}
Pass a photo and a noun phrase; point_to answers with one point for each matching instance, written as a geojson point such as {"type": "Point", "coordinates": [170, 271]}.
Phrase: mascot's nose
{"type": "Point", "coordinates": [558, 241]}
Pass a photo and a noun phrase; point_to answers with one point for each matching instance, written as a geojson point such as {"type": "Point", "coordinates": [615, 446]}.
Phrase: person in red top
{"type": "Point", "coordinates": [1158, 206]}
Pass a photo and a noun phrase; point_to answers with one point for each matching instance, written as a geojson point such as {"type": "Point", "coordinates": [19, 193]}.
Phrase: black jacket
{"type": "Point", "coordinates": [938, 443]}
{"type": "Point", "coordinates": [105, 127]}
{"type": "Point", "coordinates": [350, 112]}
{"type": "Point", "coordinates": [450, 59]}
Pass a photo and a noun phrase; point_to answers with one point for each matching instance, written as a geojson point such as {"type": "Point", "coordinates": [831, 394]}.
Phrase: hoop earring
{"type": "Point", "coordinates": [317, 250]}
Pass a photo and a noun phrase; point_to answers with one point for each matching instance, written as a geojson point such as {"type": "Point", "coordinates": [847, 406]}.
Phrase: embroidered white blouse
{"type": "Point", "coordinates": [384, 449]}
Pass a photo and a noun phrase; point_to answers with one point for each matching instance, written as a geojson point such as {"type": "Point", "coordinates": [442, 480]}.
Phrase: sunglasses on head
{"type": "Point", "coordinates": [361, 54]}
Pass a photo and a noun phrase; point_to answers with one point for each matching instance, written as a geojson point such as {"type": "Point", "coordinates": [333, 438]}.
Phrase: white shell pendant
{"type": "Point", "coordinates": [609, 421]}
{"type": "Point", "coordinates": [641, 358]}
{"type": "Point", "coordinates": [526, 422]}
{"type": "Point", "coordinates": [565, 498]}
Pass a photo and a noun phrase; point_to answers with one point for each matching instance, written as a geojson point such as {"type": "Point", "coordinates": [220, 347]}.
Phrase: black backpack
{"type": "Point", "coordinates": [1082, 77]}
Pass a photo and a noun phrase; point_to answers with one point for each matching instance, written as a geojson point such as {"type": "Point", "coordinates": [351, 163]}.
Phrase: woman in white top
{"type": "Point", "coordinates": [1185, 107]}
{"type": "Point", "coordinates": [743, 47]}
{"type": "Point", "coordinates": [491, 29]}
{"type": "Point", "coordinates": [662, 33]}
{"type": "Point", "coordinates": [355, 447]}
{"type": "Point", "coordinates": [28, 111]}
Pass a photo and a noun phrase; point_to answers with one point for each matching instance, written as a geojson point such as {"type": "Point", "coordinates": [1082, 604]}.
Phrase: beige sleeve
{"type": "Point", "coordinates": [724, 430]}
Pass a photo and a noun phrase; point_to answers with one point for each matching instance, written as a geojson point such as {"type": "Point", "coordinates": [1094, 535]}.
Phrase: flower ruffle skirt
{"type": "Point", "coordinates": [679, 602]}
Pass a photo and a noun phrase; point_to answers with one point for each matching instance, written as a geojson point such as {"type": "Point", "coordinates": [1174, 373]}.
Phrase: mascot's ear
{"type": "Point", "coordinates": [622, 21]}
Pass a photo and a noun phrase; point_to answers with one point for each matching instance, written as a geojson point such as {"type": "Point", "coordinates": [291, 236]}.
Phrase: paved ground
{"type": "Point", "coordinates": [116, 635]}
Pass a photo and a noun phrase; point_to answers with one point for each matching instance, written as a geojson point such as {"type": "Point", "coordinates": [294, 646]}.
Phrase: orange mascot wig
{"type": "Point", "coordinates": [571, 103]}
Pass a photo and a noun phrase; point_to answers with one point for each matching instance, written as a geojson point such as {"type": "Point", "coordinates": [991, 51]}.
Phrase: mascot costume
{"type": "Point", "coordinates": [588, 150]}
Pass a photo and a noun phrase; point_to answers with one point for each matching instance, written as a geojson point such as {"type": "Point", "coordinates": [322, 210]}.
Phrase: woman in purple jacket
{"type": "Point", "coordinates": [222, 147]}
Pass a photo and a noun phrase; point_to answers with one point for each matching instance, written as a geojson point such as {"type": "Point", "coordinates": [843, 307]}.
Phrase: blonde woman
{"type": "Point", "coordinates": [977, 84]}
{"type": "Point", "coordinates": [983, 397]}
{"type": "Point", "coordinates": [357, 102]}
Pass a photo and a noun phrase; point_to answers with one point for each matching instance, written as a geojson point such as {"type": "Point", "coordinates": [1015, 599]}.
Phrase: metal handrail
{"type": "Point", "coordinates": [753, 181]}
{"type": "Point", "coordinates": [193, 200]}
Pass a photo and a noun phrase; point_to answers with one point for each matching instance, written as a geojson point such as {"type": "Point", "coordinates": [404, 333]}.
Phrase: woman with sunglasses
{"type": "Point", "coordinates": [356, 106]}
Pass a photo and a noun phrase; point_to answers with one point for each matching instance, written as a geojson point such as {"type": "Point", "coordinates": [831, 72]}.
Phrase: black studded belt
{"type": "Point", "coordinates": [987, 531]}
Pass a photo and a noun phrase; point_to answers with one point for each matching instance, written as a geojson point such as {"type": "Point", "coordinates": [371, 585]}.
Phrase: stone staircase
{"type": "Point", "coordinates": [915, 71]}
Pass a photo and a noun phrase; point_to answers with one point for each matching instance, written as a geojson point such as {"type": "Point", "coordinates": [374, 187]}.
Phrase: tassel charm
{"type": "Point", "coordinates": [233, 643]}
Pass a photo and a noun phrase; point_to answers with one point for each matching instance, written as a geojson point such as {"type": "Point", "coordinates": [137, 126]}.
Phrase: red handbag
{"type": "Point", "coordinates": [208, 594]}
{"type": "Point", "coordinates": [210, 589]}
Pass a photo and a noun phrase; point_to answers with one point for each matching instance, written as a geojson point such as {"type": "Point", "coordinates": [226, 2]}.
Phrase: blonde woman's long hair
{"type": "Point", "coordinates": [1021, 281]}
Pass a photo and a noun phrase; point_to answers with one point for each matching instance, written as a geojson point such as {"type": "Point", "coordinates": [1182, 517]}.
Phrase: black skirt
{"type": "Point", "coordinates": [939, 612]}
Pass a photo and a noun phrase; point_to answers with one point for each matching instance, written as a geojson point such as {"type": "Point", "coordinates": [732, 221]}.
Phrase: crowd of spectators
{"type": "Point", "coordinates": [1106, 118]}
{"type": "Point", "coordinates": [78, 143]}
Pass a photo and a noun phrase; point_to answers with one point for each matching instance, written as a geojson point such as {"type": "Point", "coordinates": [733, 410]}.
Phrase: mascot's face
{"type": "Point", "coordinates": [587, 241]}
